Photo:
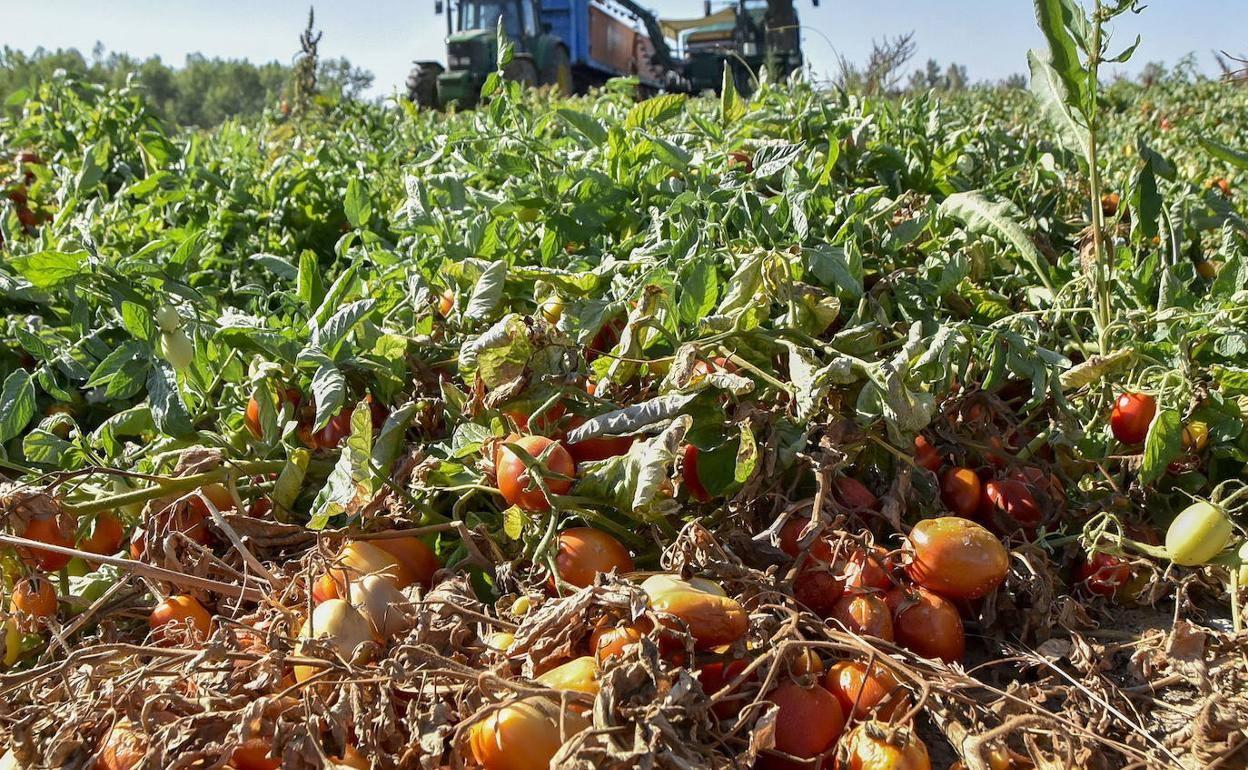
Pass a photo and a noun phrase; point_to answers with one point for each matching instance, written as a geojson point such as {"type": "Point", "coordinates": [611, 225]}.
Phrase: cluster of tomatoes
{"type": "Point", "coordinates": [330, 436]}
{"type": "Point", "coordinates": [17, 191]}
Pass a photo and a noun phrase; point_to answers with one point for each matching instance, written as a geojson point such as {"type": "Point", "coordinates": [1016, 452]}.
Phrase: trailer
{"type": "Point", "coordinates": [572, 45]}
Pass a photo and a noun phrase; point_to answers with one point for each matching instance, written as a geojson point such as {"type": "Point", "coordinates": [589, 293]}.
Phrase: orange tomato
{"type": "Point", "coordinates": [351, 757]}
{"type": "Point", "coordinates": [251, 418]}
{"type": "Point", "coordinates": [960, 489]}
{"type": "Point", "coordinates": [193, 621]}
{"type": "Point", "coordinates": [255, 754]}
{"type": "Point", "coordinates": [583, 552]}
{"type": "Point", "coordinates": [608, 642]}
{"type": "Point", "coordinates": [712, 618]}
{"type": "Point", "coordinates": [53, 530]}
{"type": "Point", "coordinates": [927, 624]}
{"type": "Point", "coordinates": [416, 560]}
{"type": "Point", "coordinates": [106, 535]}
{"type": "Point", "coordinates": [513, 478]}
{"type": "Point", "coordinates": [868, 569]}
{"type": "Point", "coordinates": [865, 614]}
{"type": "Point", "coordinates": [577, 675]}
{"type": "Point", "coordinates": [879, 746]}
{"type": "Point", "coordinates": [808, 723]}
{"type": "Point", "coordinates": [446, 302]}
{"type": "Point", "coordinates": [956, 558]}
{"type": "Point", "coordinates": [122, 747]}
{"type": "Point", "coordinates": [324, 588]}
{"type": "Point", "coordinates": [33, 601]}
{"type": "Point", "coordinates": [861, 692]}
{"type": "Point", "coordinates": [523, 734]}
{"type": "Point", "coordinates": [925, 454]}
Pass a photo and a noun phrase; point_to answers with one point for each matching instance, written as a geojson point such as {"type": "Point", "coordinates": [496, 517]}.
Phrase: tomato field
{"type": "Point", "coordinates": [805, 430]}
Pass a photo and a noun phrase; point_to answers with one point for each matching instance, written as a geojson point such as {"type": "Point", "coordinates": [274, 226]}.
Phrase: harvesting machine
{"type": "Point", "coordinates": [745, 35]}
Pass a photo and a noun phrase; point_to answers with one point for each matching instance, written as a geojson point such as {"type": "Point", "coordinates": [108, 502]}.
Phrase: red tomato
{"type": "Point", "coordinates": [260, 507]}
{"type": "Point", "coordinates": [606, 338]}
{"type": "Point", "coordinates": [860, 692]}
{"type": "Point", "coordinates": [817, 588]}
{"type": "Point", "coordinates": [255, 754]}
{"type": "Point", "coordinates": [960, 489]}
{"type": "Point", "coordinates": [106, 535]}
{"type": "Point", "coordinates": [252, 417]}
{"type": "Point", "coordinates": [865, 614]}
{"type": "Point", "coordinates": [956, 558]}
{"type": "Point", "coordinates": [689, 470]}
{"type": "Point", "coordinates": [1133, 413]}
{"type": "Point", "coordinates": [337, 429]}
{"type": "Point", "coordinates": [54, 530]}
{"type": "Point", "coordinates": [925, 454]}
{"type": "Point", "coordinates": [583, 552]}
{"type": "Point", "coordinates": [34, 602]}
{"type": "Point", "coordinates": [790, 535]}
{"type": "Point", "coordinates": [868, 570]}
{"type": "Point", "coordinates": [1010, 505]}
{"type": "Point", "coordinates": [544, 423]}
{"type": "Point", "coordinates": [808, 723]}
{"type": "Point", "coordinates": [854, 494]}
{"type": "Point", "coordinates": [880, 746]}
{"type": "Point", "coordinates": [186, 612]}
{"type": "Point", "coordinates": [1104, 574]}
{"type": "Point", "coordinates": [513, 478]}
{"type": "Point", "coordinates": [715, 676]}
{"type": "Point", "coordinates": [599, 448]}
{"type": "Point", "coordinates": [716, 364]}
{"type": "Point", "coordinates": [927, 624]}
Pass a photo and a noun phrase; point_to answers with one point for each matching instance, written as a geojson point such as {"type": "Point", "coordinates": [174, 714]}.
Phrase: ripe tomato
{"type": "Point", "coordinates": [606, 338]}
{"type": "Point", "coordinates": [351, 757]}
{"type": "Point", "coordinates": [868, 569]}
{"type": "Point", "coordinates": [260, 507]}
{"type": "Point", "coordinates": [927, 624]}
{"type": "Point", "coordinates": [715, 677]}
{"type": "Point", "coordinates": [122, 748]}
{"type": "Point", "coordinates": [960, 489]}
{"type": "Point", "coordinates": [1104, 574]}
{"type": "Point", "coordinates": [689, 471]}
{"type": "Point", "coordinates": [106, 535]}
{"type": "Point", "coordinates": [711, 618]}
{"type": "Point", "coordinates": [956, 558]}
{"type": "Point", "coordinates": [854, 494]}
{"type": "Point", "coordinates": [255, 754]}
{"type": "Point", "coordinates": [1208, 269]}
{"type": "Point", "coordinates": [193, 620]}
{"type": "Point", "coordinates": [523, 735]}
{"type": "Point", "coordinates": [608, 641]}
{"type": "Point", "coordinates": [808, 723]}
{"type": "Point", "coordinates": [598, 448]}
{"type": "Point", "coordinates": [577, 675]}
{"type": "Point", "coordinates": [926, 455]}
{"type": "Point", "coordinates": [880, 746]}
{"type": "Point", "coordinates": [513, 478]}
{"type": "Point", "coordinates": [818, 588]}
{"type": "Point", "coordinates": [1133, 413]}
{"type": "Point", "coordinates": [446, 303]}
{"type": "Point", "coordinates": [865, 614]}
{"type": "Point", "coordinates": [326, 587]}
{"type": "Point", "coordinates": [54, 530]}
{"type": "Point", "coordinates": [337, 429]}
{"type": "Point", "coordinates": [252, 416]}
{"type": "Point", "coordinates": [861, 692]}
{"type": "Point", "coordinates": [1109, 204]}
{"type": "Point", "coordinates": [546, 421]}
{"type": "Point", "coordinates": [583, 552]}
{"type": "Point", "coordinates": [33, 601]}
{"type": "Point", "coordinates": [716, 364]}
{"type": "Point", "coordinates": [1009, 505]}
{"type": "Point", "coordinates": [1199, 533]}
{"type": "Point", "coordinates": [416, 561]}
{"type": "Point", "coordinates": [790, 535]}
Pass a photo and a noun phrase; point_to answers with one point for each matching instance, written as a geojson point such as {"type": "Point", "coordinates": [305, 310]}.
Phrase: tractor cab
{"type": "Point", "coordinates": [745, 35]}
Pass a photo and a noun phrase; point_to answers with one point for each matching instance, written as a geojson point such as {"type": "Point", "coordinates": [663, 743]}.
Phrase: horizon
{"type": "Point", "coordinates": [1170, 33]}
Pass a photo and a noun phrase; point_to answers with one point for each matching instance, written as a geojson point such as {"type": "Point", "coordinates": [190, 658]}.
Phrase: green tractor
{"type": "Point", "coordinates": [746, 35]}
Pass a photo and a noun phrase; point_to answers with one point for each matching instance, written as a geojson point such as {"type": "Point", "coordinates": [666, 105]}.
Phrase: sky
{"type": "Point", "coordinates": [989, 37]}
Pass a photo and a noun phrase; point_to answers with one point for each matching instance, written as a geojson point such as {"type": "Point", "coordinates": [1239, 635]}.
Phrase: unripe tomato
{"type": "Point", "coordinates": [960, 490]}
{"type": "Point", "coordinates": [338, 622]}
{"type": "Point", "coordinates": [854, 494]}
{"type": "Point", "coordinates": [577, 675]}
{"type": "Point", "coordinates": [54, 530]}
{"type": "Point", "coordinates": [1208, 269]}
{"type": "Point", "coordinates": [552, 309]}
{"type": "Point", "coordinates": [861, 692]}
{"type": "Point", "coordinates": [689, 472]}
{"type": "Point", "coordinates": [1133, 414]}
{"type": "Point", "coordinates": [122, 748]}
{"type": "Point", "coordinates": [359, 558]}
{"type": "Point", "coordinates": [597, 448]}
{"type": "Point", "coordinates": [927, 624]}
{"type": "Point", "coordinates": [523, 735]}
{"type": "Point", "coordinates": [380, 601]}
{"type": "Point", "coordinates": [12, 636]}
{"type": "Point", "coordinates": [34, 602]}
{"type": "Point", "coordinates": [956, 558]}
{"type": "Point", "coordinates": [167, 318]}
{"type": "Point", "coordinates": [193, 621]}
{"type": "Point", "coordinates": [608, 642]}
{"type": "Point", "coordinates": [513, 478]}
{"type": "Point", "coordinates": [808, 723]}
{"type": "Point", "coordinates": [255, 754]}
{"type": "Point", "coordinates": [865, 614]}
{"type": "Point", "coordinates": [1010, 505]}
{"type": "Point", "coordinates": [416, 561]}
{"type": "Point", "coordinates": [1195, 437]}
{"type": "Point", "coordinates": [446, 303]}
{"type": "Point", "coordinates": [926, 455]}
{"type": "Point", "coordinates": [106, 535]}
{"type": "Point", "coordinates": [880, 746]}
{"type": "Point", "coordinates": [1104, 574]}
{"type": "Point", "coordinates": [583, 552]}
{"type": "Point", "coordinates": [1199, 533]}
{"type": "Point", "coordinates": [818, 588]}
{"type": "Point", "coordinates": [177, 349]}
{"type": "Point", "coordinates": [711, 618]}
{"type": "Point", "coordinates": [500, 641]}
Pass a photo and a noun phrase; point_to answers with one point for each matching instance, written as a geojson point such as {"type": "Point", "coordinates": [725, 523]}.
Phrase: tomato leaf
{"type": "Point", "coordinates": [17, 404]}
{"type": "Point", "coordinates": [1162, 446]}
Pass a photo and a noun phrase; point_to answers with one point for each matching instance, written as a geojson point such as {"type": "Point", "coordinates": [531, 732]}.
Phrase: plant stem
{"type": "Point", "coordinates": [1104, 268]}
{"type": "Point", "coordinates": [172, 485]}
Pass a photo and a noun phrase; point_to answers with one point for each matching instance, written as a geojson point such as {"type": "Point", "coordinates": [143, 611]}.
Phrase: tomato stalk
{"type": "Point", "coordinates": [168, 485]}
{"type": "Point", "coordinates": [1104, 269]}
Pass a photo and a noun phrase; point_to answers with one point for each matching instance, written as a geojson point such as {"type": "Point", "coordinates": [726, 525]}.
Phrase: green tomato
{"type": "Point", "coordinates": [177, 349]}
{"type": "Point", "coordinates": [168, 319]}
{"type": "Point", "coordinates": [1199, 533]}
{"type": "Point", "coordinates": [12, 642]}
{"type": "Point", "coordinates": [552, 309]}
{"type": "Point", "coordinates": [1243, 568]}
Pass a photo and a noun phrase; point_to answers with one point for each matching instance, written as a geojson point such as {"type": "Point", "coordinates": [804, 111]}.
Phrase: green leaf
{"type": "Point", "coordinates": [587, 125]}
{"type": "Point", "coordinates": [357, 205]}
{"type": "Point", "coordinates": [698, 290]}
{"type": "Point", "coordinates": [998, 218]}
{"type": "Point", "coordinates": [17, 404]}
{"type": "Point", "coordinates": [1050, 91]}
{"type": "Point", "coordinates": [138, 321]}
{"type": "Point", "coordinates": [1056, 17]}
{"type": "Point", "coordinates": [276, 265]}
{"type": "Point", "coordinates": [1162, 446]}
{"type": "Point", "coordinates": [514, 520]}
{"type": "Point", "coordinates": [351, 483]}
{"type": "Point", "coordinates": [290, 480]}
{"type": "Point", "coordinates": [654, 111]}
{"type": "Point", "coordinates": [51, 269]}
{"type": "Point", "coordinates": [731, 107]}
{"type": "Point", "coordinates": [168, 412]}
{"type": "Point", "coordinates": [487, 292]}
{"type": "Point", "coordinates": [329, 392]}
{"type": "Point", "coordinates": [309, 288]}
{"type": "Point", "coordinates": [1236, 158]}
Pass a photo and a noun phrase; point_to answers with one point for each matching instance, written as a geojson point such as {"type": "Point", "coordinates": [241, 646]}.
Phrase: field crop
{"type": "Point", "coordinates": [809, 430]}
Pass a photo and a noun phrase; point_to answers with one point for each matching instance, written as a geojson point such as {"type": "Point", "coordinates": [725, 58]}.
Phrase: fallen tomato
{"type": "Point", "coordinates": [584, 552]}
{"type": "Point", "coordinates": [818, 588]}
{"type": "Point", "coordinates": [711, 618]}
{"type": "Point", "coordinates": [861, 692]}
{"type": "Point", "coordinates": [1104, 574]}
{"type": "Point", "coordinates": [610, 641]}
{"type": "Point", "coordinates": [881, 746]}
{"type": "Point", "coordinates": [180, 618]}
{"type": "Point", "coordinates": [808, 723]}
{"type": "Point", "coordinates": [854, 494]}
{"type": "Point", "coordinates": [956, 558]}
{"type": "Point", "coordinates": [1009, 505]}
{"type": "Point", "coordinates": [523, 734]}
{"type": "Point", "coordinates": [577, 675]}
{"type": "Point", "coordinates": [416, 561]}
{"type": "Point", "coordinates": [336, 621]}
{"type": "Point", "coordinates": [865, 614]}
{"type": "Point", "coordinates": [960, 490]}
{"type": "Point", "coordinates": [927, 624]}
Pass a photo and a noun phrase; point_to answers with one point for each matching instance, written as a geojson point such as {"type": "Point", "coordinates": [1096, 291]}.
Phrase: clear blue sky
{"type": "Point", "coordinates": [990, 37]}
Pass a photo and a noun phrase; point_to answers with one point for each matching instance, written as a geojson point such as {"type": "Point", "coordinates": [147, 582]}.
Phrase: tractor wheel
{"type": "Point", "coordinates": [558, 72]}
{"type": "Point", "coordinates": [522, 70]}
{"type": "Point", "coordinates": [422, 84]}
